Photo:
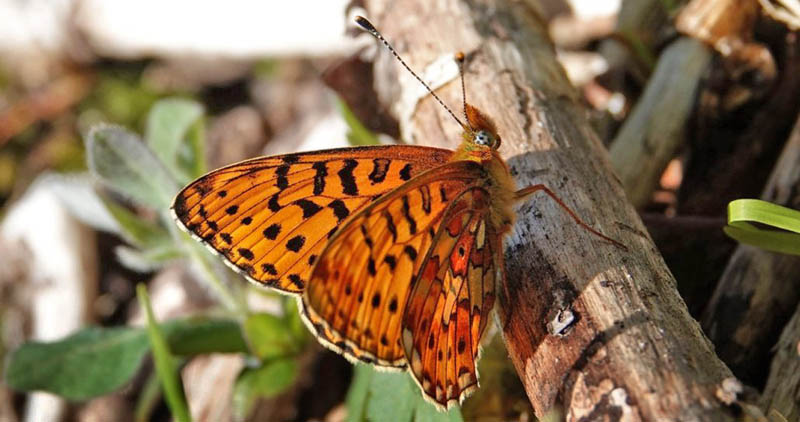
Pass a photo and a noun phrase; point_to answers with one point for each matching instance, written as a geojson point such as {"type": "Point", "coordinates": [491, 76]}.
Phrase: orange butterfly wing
{"type": "Point", "coordinates": [450, 302]}
{"type": "Point", "coordinates": [270, 217]}
{"type": "Point", "coordinates": [357, 293]}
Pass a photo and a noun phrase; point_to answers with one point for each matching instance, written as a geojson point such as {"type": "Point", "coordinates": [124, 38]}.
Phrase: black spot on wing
{"type": "Point", "coordinates": [309, 207]}
{"type": "Point", "coordinates": [222, 193]}
{"type": "Point", "coordinates": [226, 237]}
{"type": "Point", "coordinates": [290, 158]}
{"type": "Point", "coordinates": [348, 181]}
{"type": "Point", "coordinates": [247, 220]}
{"type": "Point", "coordinates": [390, 225]}
{"type": "Point", "coordinates": [282, 181]}
{"type": "Point", "coordinates": [405, 172]}
{"type": "Point", "coordinates": [297, 281]}
{"type": "Point", "coordinates": [269, 269]}
{"type": "Point", "coordinates": [273, 204]}
{"type": "Point", "coordinates": [272, 231]}
{"type": "Point", "coordinates": [412, 224]}
{"type": "Point", "coordinates": [379, 168]}
{"type": "Point", "coordinates": [426, 198]}
{"type": "Point", "coordinates": [246, 253]}
{"type": "Point", "coordinates": [296, 243]}
{"type": "Point", "coordinates": [319, 177]}
{"type": "Point", "coordinates": [411, 252]}
{"type": "Point", "coordinates": [232, 209]}
{"type": "Point", "coordinates": [339, 209]}
{"type": "Point", "coordinates": [371, 267]}
{"type": "Point", "coordinates": [391, 261]}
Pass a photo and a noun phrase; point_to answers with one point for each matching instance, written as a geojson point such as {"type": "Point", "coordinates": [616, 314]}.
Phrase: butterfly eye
{"type": "Point", "coordinates": [484, 138]}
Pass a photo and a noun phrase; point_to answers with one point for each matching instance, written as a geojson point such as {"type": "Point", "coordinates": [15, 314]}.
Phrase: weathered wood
{"type": "Point", "coordinates": [758, 290]}
{"type": "Point", "coordinates": [780, 394]}
{"type": "Point", "coordinates": [628, 348]}
{"type": "Point", "coordinates": [655, 129]}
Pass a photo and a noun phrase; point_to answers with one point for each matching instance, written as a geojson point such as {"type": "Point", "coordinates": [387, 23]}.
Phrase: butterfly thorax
{"type": "Point", "coordinates": [480, 144]}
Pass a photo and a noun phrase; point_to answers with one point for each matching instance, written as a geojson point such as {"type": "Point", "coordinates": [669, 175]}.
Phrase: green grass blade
{"type": "Point", "coordinates": [743, 212]}
{"type": "Point", "coordinates": [164, 361]}
{"type": "Point", "coordinates": [359, 134]}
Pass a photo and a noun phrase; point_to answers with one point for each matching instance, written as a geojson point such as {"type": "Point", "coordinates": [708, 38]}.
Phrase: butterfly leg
{"type": "Point", "coordinates": [530, 190]}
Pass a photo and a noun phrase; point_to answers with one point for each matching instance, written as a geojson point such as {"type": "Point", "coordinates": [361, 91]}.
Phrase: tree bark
{"type": "Point", "coordinates": [780, 393]}
{"type": "Point", "coordinates": [623, 345]}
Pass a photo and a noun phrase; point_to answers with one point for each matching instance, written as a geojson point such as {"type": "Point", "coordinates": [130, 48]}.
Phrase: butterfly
{"type": "Point", "coordinates": [394, 251]}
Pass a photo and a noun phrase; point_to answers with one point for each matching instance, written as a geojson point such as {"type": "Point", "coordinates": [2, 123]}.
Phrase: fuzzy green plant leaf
{"type": "Point", "coordinates": [89, 363]}
{"type": "Point", "coordinates": [376, 396]}
{"type": "Point", "coordinates": [164, 361]}
{"type": "Point", "coordinates": [783, 223]}
{"type": "Point", "coordinates": [174, 133]}
{"type": "Point", "coordinates": [270, 379]}
{"type": "Point", "coordinates": [97, 361]}
{"type": "Point", "coordinates": [124, 163]}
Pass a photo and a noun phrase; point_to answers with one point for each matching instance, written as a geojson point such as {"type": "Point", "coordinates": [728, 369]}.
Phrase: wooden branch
{"type": "Point", "coordinates": [758, 290]}
{"type": "Point", "coordinates": [654, 131]}
{"type": "Point", "coordinates": [780, 393]}
{"type": "Point", "coordinates": [626, 345]}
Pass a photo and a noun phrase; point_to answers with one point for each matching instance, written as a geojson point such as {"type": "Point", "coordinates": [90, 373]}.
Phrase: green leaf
{"type": "Point", "coordinates": [89, 363]}
{"type": "Point", "coordinates": [120, 159]}
{"type": "Point", "coordinates": [200, 335]}
{"type": "Point", "coordinates": [269, 337]}
{"type": "Point", "coordinates": [164, 362]}
{"type": "Point", "coordinates": [378, 396]}
{"type": "Point", "coordinates": [136, 230]}
{"type": "Point", "coordinates": [391, 397]}
{"type": "Point", "coordinates": [171, 122]}
{"type": "Point", "coordinates": [743, 212]}
{"type": "Point", "coordinates": [294, 321]}
{"type": "Point", "coordinates": [97, 361]}
{"type": "Point", "coordinates": [358, 394]}
{"type": "Point", "coordinates": [269, 380]}
{"type": "Point", "coordinates": [359, 134]}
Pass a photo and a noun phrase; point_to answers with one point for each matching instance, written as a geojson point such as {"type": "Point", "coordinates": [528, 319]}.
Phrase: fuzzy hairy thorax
{"type": "Point", "coordinates": [499, 183]}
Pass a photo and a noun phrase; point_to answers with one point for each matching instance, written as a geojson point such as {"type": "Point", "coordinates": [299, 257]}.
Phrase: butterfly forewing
{"type": "Point", "coordinates": [450, 301]}
{"type": "Point", "coordinates": [270, 217]}
{"type": "Point", "coordinates": [358, 290]}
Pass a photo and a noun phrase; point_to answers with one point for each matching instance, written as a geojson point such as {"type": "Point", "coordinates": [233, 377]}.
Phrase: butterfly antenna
{"type": "Point", "coordinates": [460, 59]}
{"type": "Point", "coordinates": [369, 27]}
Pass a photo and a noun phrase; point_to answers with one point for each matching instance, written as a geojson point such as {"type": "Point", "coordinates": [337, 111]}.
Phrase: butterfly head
{"type": "Point", "coordinates": [480, 137]}
{"type": "Point", "coordinates": [481, 130]}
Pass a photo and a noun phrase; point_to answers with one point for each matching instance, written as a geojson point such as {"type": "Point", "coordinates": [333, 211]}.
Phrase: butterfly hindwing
{"type": "Point", "coordinates": [270, 217]}
{"type": "Point", "coordinates": [357, 293]}
{"type": "Point", "coordinates": [450, 301]}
